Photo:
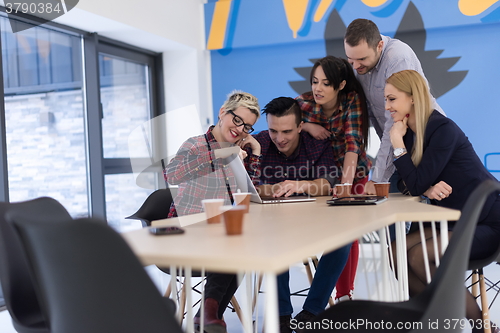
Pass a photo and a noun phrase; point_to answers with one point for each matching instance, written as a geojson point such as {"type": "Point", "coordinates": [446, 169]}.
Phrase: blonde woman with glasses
{"type": "Point", "coordinates": [200, 168]}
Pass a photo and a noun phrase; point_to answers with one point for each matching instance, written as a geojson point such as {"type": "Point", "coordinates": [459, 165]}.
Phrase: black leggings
{"type": "Point", "coordinates": [486, 235]}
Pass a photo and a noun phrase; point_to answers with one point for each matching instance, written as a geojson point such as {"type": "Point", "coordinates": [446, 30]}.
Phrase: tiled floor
{"type": "Point", "coordinates": [298, 280]}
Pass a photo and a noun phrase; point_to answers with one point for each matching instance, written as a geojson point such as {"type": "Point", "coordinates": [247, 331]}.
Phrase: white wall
{"type": "Point", "coordinates": [174, 27]}
{"type": "Point", "coordinates": [178, 20]}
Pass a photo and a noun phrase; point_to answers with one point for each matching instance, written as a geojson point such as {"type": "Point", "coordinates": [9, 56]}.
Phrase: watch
{"type": "Point", "coordinates": [398, 152]}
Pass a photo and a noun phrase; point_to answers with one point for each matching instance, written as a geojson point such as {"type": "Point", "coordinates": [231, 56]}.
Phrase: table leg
{"type": "Point", "coordinates": [424, 251]}
{"type": "Point", "coordinates": [365, 266]}
{"type": "Point", "coordinates": [189, 300]}
{"type": "Point", "coordinates": [435, 243]}
{"type": "Point", "coordinates": [402, 261]}
{"type": "Point", "coordinates": [444, 235]}
{"type": "Point", "coordinates": [272, 315]}
{"type": "Point", "coordinates": [393, 285]}
{"type": "Point", "coordinates": [385, 265]}
{"type": "Point", "coordinates": [255, 301]}
{"type": "Point", "coordinates": [375, 272]}
{"type": "Point", "coordinates": [248, 303]}
{"type": "Point", "coordinates": [173, 286]}
{"type": "Point", "coordinates": [202, 302]}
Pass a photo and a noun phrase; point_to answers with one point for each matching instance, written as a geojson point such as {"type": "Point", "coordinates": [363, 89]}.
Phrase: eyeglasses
{"type": "Point", "coordinates": [238, 122]}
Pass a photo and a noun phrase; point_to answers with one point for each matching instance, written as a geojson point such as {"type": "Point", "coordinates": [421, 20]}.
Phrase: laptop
{"type": "Point", "coordinates": [272, 200]}
{"type": "Point", "coordinates": [357, 200]}
{"type": "Point", "coordinates": [245, 184]}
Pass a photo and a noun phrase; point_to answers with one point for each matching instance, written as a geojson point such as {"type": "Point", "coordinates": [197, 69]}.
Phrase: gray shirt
{"type": "Point", "coordinates": [396, 56]}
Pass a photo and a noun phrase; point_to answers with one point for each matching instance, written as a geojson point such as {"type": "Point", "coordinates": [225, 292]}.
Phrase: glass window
{"type": "Point", "coordinates": [44, 112]}
{"type": "Point", "coordinates": [126, 104]}
{"type": "Point", "coordinates": [72, 138]}
{"type": "Point", "coordinates": [123, 198]}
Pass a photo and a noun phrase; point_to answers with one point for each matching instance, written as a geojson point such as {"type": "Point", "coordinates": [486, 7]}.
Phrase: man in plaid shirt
{"type": "Point", "coordinates": [293, 162]}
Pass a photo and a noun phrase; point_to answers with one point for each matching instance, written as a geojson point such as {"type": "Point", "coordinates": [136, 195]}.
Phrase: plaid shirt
{"type": "Point", "coordinates": [313, 159]}
{"type": "Point", "coordinates": [345, 126]}
{"type": "Point", "coordinates": [201, 176]}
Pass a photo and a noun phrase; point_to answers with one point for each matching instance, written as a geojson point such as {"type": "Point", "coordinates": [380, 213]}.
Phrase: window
{"type": "Point", "coordinates": [44, 110]}
{"type": "Point", "coordinates": [71, 101]}
{"type": "Point", "coordinates": [126, 106]}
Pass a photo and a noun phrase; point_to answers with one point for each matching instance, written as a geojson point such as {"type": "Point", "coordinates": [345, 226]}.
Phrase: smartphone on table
{"type": "Point", "coordinates": [171, 230]}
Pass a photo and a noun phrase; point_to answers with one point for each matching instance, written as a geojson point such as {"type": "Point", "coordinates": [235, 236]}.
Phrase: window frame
{"type": "Point", "coordinates": [97, 165]}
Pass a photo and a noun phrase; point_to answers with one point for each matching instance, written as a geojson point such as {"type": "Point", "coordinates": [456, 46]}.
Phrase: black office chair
{"type": "Point", "coordinates": [478, 279]}
{"type": "Point", "coordinates": [2, 300]}
{"type": "Point", "coordinates": [493, 286]}
{"type": "Point", "coordinates": [90, 280]}
{"type": "Point", "coordinates": [156, 207]}
{"type": "Point", "coordinates": [440, 300]}
{"type": "Point", "coordinates": [17, 283]}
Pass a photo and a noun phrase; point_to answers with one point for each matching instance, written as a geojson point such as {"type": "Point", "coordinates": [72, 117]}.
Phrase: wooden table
{"type": "Point", "coordinates": [275, 237]}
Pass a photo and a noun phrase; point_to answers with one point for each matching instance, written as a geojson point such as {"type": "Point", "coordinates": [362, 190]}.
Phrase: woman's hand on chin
{"type": "Point", "coordinates": [398, 130]}
{"type": "Point", "coordinates": [250, 141]}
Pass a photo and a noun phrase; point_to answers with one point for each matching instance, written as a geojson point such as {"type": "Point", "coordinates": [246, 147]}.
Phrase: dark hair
{"type": "Point", "coordinates": [337, 70]}
{"type": "Point", "coordinates": [283, 106]}
{"type": "Point", "coordinates": [362, 30]}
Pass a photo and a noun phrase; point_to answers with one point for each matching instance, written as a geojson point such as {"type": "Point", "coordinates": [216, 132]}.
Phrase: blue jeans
{"type": "Point", "coordinates": [329, 268]}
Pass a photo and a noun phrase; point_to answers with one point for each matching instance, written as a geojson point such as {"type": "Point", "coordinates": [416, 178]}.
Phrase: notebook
{"type": "Point", "coordinates": [357, 200]}
{"type": "Point", "coordinates": [245, 184]}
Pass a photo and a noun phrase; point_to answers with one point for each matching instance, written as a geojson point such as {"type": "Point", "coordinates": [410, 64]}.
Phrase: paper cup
{"type": "Point", "coordinates": [242, 199]}
{"type": "Point", "coordinates": [211, 208]}
{"type": "Point", "coordinates": [382, 189]}
{"type": "Point", "coordinates": [233, 219]}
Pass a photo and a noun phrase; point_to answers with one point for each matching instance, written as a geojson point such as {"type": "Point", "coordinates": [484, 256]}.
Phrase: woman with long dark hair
{"type": "Point", "coordinates": [335, 108]}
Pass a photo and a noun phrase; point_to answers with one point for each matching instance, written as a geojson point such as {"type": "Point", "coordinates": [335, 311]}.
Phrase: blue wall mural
{"type": "Point", "coordinates": [267, 47]}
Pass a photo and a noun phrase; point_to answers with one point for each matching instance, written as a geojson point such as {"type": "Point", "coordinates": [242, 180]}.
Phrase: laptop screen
{"type": "Point", "coordinates": [245, 184]}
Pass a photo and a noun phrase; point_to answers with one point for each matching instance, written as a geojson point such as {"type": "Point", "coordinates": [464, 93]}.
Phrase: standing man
{"type": "Point", "coordinates": [293, 162]}
{"type": "Point", "coordinates": [375, 57]}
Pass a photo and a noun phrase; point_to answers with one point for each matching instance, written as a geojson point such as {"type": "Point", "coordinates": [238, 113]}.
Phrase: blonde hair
{"type": "Point", "coordinates": [414, 85]}
{"type": "Point", "coordinates": [238, 98]}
